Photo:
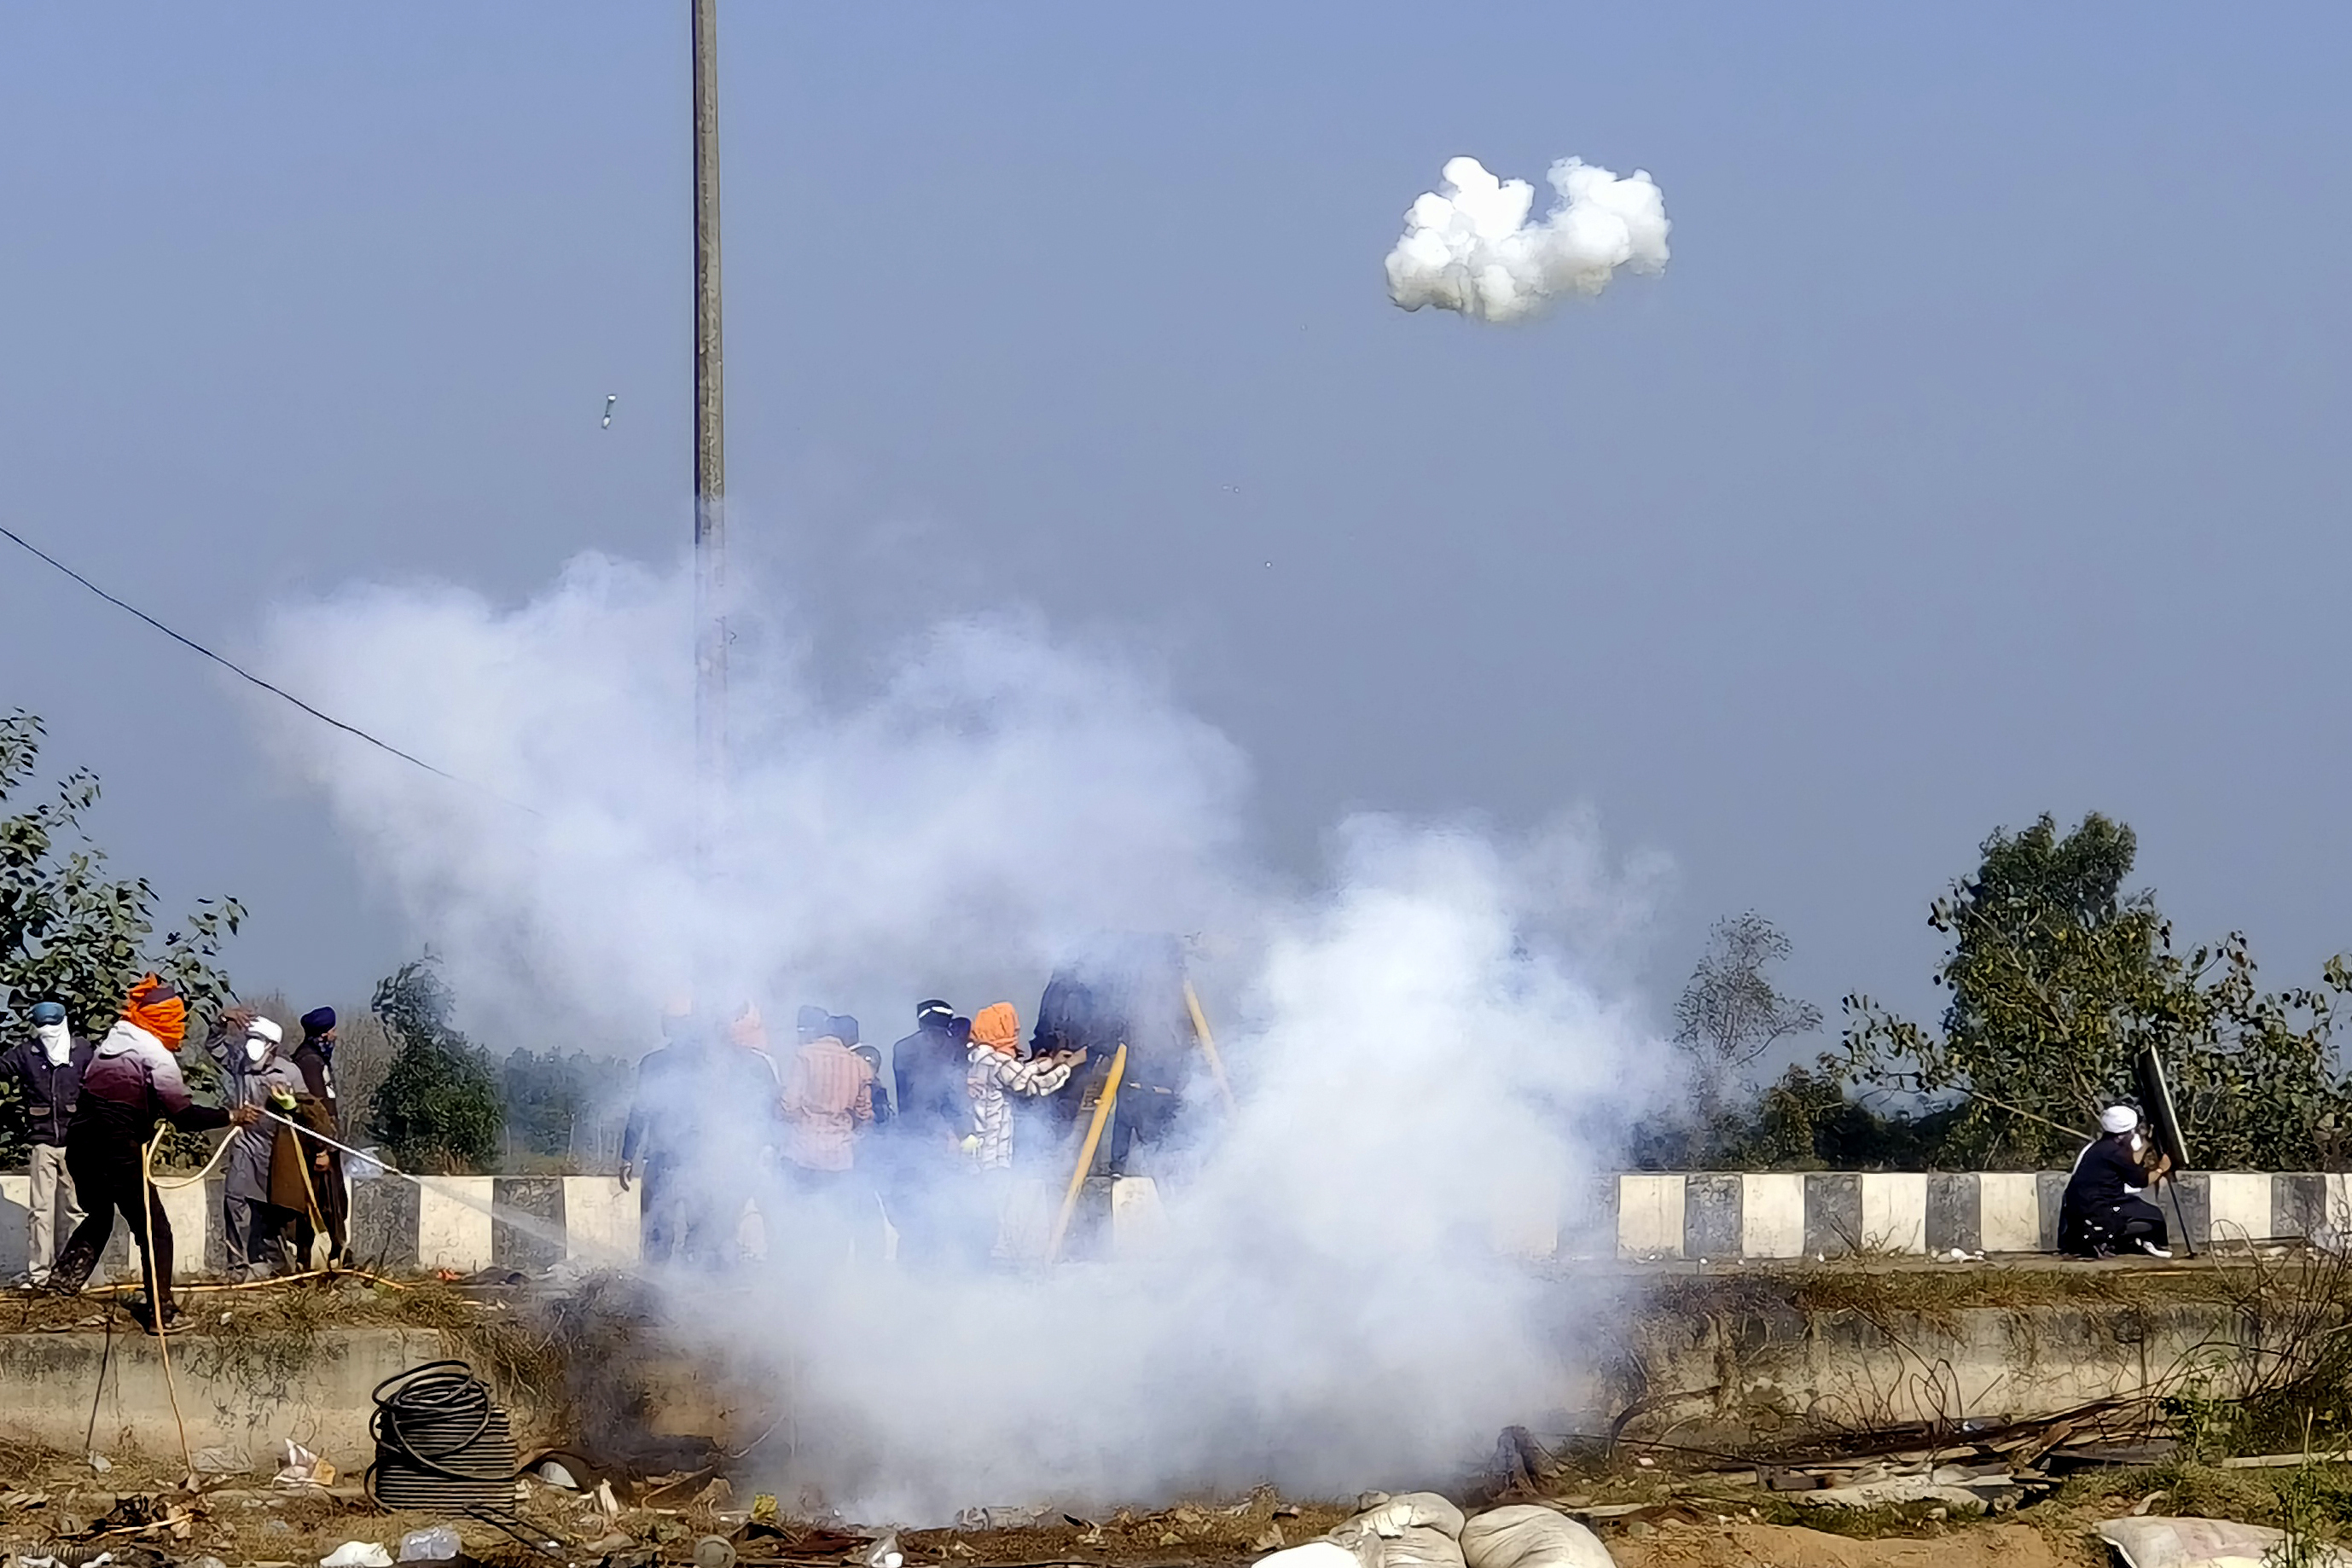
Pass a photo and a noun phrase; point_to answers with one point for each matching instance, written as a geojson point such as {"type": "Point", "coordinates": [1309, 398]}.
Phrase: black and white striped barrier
{"type": "Point", "coordinates": [455, 1222]}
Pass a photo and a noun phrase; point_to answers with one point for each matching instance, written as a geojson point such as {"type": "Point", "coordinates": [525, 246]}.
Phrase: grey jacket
{"type": "Point", "coordinates": [246, 1168]}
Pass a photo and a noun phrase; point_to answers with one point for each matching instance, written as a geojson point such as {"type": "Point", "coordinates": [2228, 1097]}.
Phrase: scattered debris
{"type": "Point", "coordinates": [434, 1543]}
{"type": "Point", "coordinates": [357, 1554]}
{"type": "Point", "coordinates": [304, 1468]}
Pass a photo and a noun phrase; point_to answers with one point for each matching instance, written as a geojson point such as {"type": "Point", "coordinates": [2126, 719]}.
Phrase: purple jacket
{"type": "Point", "coordinates": [133, 1081]}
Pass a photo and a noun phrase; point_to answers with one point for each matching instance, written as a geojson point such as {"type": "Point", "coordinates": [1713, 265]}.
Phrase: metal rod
{"type": "Point", "coordinates": [709, 459]}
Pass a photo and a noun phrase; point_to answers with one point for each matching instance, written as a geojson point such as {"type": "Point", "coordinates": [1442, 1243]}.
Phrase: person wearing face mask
{"type": "Point", "coordinates": [315, 1060]}
{"type": "Point", "coordinates": [46, 1071]}
{"type": "Point", "coordinates": [258, 1231]}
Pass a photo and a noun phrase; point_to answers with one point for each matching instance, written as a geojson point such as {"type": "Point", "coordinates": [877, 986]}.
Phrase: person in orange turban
{"type": "Point", "coordinates": [996, 1071]}
{"type": "Point", "coordinates": [156, 1007]}
{"type": "Point", "coordinates": [132, 1085]}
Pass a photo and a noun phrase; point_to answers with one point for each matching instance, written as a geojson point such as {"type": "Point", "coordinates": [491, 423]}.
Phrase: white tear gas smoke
{"type": "Point", "coordinates": [1411, 1046]}
{"type": "Point", "coordinates": [1471, 248]}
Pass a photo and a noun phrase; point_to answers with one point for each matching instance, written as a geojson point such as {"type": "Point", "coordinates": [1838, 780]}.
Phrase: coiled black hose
{"type": "Point", "coordinates": [441, 1442]}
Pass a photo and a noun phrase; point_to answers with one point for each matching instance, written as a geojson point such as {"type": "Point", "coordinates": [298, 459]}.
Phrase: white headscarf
{"type": "Point", "coordinates": [57, 1042]}
{"type": "Point", "coordinates": [261, 1037]}
{"type": "Point", "coordinates": [2118, 1119]}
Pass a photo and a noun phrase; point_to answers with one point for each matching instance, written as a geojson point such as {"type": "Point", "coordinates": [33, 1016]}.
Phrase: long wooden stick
{"type": "Point", "coordinates": [1086, 1154]}
{"type": "Point", "coordinates": [1208, 1046]}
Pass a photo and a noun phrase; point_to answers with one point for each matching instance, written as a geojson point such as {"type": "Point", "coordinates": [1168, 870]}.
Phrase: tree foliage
{"type": "Point", "coordinates": [437, 1108]}
{"type": "Point", "coordinates": [70, 931]}
{"type": "Point", "coordinates": [1729, 1013]}
{"type": "Point", "coordinates": [2059, 978]}
{"type": "Point", "coordinates": [562, 1105]}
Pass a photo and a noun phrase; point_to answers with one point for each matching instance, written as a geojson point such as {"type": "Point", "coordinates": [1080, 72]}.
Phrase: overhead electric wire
{"type": "Point", "coordinates": [244, 674]}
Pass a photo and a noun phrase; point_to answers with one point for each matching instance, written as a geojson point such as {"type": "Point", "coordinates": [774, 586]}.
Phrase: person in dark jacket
{"type": "Point", "coordinates": [704, 1113]}
{"type": "Point", "coordinates": [2103, 1211]}
{"type": "Point", "coordinates": [46, 1069]}
{"type": "Point", "coordinates": [1118, 989]}
{"type": "Point", "coordinates": [660, 1129]}
{"type": "Point", "coordinates": [131, 1086]}
{"type": "Point", "coordinates": [314, 1058]}
{"type": "Point", "coordinates": [934, 1113]}
{"type": "Point", "coordinates": [929, 1068]}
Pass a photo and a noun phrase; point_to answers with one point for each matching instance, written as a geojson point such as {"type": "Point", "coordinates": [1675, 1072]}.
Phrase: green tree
{"type": "Point", "coordinates": [2059, 978]}
{"type": "Point", "coordinates": [437, 1108]}
{"type": "Point", "coordinates": [71, 933]}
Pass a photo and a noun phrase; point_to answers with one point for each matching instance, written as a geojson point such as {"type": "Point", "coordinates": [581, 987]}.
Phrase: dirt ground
{"type": "Point", "coordinates": [1745, 1544]}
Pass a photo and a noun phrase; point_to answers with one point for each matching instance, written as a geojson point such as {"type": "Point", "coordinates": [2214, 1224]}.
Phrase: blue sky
{"type": "Point", "coordinates": [1971, 459]}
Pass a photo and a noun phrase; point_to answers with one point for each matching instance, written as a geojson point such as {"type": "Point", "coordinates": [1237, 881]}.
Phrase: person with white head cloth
{"type": "Point", "coordinates": [2102, 1211]}
{"type": "Point", "coordinates": [47, 1068]}
{"type": "Point", "coordinates": [258, 1232]}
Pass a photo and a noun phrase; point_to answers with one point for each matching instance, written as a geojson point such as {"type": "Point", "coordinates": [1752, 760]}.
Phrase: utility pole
{"type": "Point", "coordinates": [709, 462]}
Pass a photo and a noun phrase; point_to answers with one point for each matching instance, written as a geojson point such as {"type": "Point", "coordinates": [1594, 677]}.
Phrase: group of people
{"type": "Point", "coordinates": [720, 1127]}
{"type": "Point", "coordinates": [816, 1139]}
{"type": "Point", "coordinates": [823, 1140]}
{"type": "Point", "coordinates": [93, 1109]}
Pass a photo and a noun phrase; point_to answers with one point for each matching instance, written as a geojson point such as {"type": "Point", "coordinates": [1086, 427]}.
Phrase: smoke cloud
{"type": "Point", "coordinates": [1470, 248]}
{"type": "Point", "coordinates": [1417, 1050]}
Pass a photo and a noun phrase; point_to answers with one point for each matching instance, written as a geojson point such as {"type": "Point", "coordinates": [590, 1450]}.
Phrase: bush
{"type": "Point", "coordinates": [437, 1108]}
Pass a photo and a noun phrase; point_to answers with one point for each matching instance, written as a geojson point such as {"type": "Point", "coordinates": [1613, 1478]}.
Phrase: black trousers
{"type": "Point", "coordinates": [105, 1164]}
{"type": "Point", "coordinates": [2133, 1220]}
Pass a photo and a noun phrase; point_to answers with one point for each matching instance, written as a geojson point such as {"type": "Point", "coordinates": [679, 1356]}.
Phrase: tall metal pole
{"type": "Point", "coordinates": [709, 459]}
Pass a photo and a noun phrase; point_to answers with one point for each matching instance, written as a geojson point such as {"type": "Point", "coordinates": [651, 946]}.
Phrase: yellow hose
{"type": "Point", "coordinates": [149, 1210]}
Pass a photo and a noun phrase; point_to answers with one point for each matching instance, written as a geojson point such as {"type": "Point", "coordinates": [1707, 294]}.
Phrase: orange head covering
{"type": "Point", "coordinates": [747, 1030]}
{"type": "Point", "coordinates": [156, 1007]}
{"type": "Point", "coordinates": [998, 1028]}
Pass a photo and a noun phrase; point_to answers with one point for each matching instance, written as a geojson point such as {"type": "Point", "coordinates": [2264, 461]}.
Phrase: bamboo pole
{"type": "Point", "coordinates": [1086, 1154]}
{"type": "Point", "coordinates": [1208, 1046]}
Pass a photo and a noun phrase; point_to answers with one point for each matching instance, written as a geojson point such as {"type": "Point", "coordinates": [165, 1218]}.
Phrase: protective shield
{"type": "Point", "coordinates": [2164, 1121]}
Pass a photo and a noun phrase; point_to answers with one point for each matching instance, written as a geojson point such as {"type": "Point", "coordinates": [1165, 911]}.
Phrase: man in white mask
{"type": "Point", "coordinates": [46, 1069]}
{"type": "Point", "coordinates": [256, 1230]}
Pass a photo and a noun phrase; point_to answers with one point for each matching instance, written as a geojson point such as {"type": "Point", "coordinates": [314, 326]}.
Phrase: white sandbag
{"type": "Point", "coordinates": [1528, 1536]}
{"type": "Point", "coordinates": [1420, 1546]}
{"type": "Point", "coordinates": [1318, 1554]}
{"type": "Point", "coordinates": [1413, 1510]}
{"type": "Point", "coordinates": [2160, 1542]}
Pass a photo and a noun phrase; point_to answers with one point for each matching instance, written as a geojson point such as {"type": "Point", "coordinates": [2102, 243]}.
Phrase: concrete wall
{"type": "Point", "coordinates": [1735, 1377]}
{"type": "Point", "coordinates": [244, 1397]}
{"type": "Point", "coordinates": [1831, 1214]}
{"type": "Point", "coordinates": [446, 1224]}
{"type": "Point", "coordinates": [530, 1223]}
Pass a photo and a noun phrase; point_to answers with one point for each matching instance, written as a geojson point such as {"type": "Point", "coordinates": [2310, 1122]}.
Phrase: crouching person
{"type": "Point", "coordinates": [2102, 1211]}
{"type": "Point", "coordinates": [132, 1085]}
